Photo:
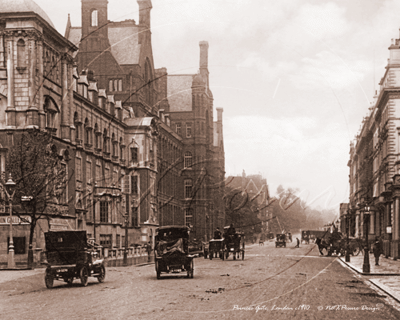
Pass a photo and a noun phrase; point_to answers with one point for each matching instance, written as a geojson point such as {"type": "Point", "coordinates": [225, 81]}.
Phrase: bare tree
{"type": "Point", "coordinates": [40, 174]}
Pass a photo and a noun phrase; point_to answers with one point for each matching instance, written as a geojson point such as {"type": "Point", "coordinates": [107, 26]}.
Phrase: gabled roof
{"type": "Point", "coordinates": [179, 92]}
{"type": "Point", "coordinates": [124, 41]}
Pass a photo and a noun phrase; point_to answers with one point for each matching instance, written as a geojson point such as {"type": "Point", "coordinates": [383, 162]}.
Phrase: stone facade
{"type": "Point", "coordinates": [97, 92]}
{"type": "Point", "coordinates": [375, 163]}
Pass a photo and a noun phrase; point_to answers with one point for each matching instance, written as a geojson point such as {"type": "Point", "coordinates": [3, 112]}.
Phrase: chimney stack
{"type": "Point", "coordinates": [203, 54]}
{"type": "Point", "coordinates": [145, 7]}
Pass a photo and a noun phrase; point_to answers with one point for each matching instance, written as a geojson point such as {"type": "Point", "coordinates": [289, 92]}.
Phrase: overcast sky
{"type": "Point", "coordinates": [294, 77]}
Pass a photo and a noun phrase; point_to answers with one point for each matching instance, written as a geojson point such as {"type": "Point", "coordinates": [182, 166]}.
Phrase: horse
{"type": "Point", "coordinates": [322, 244]}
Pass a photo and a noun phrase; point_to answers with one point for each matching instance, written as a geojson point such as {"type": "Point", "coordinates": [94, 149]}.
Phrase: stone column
{"type": "Point", "coordinates": [65, 128]}
{"type": "Point", "coordinates": [10, 111]}
{"type": "Point", "coordinates": [357, 226]}
{"type": "Point", "coordinates": [32, 112]}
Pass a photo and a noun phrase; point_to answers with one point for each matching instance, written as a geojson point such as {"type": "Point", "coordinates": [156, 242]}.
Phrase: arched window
{"type": "Point", "coordinates": [121, 149]}
{"type": "Point", "coordinates": [21, 57]}
{"type": "Point", "coordinates": [98, 134]}
{"type": "Point", "coordinates": [188, 159]}
{"type": "Point", "coordinates": [77, 127]}
{"type": "Point", "coordinates": [105, 141]}
{"type": "Point", "coordinates": [114, 145]}
{"type": "Point", "coordinates": [87, 132]}
{"type": "Point", "coordinates": [95, 21]}
{"type": "Point", "coordinates": [51, 111]}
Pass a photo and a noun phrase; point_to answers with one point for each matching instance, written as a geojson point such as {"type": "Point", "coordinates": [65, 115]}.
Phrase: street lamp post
{"type": "Point", "coordinates": [10, 185]}
{"type": "Point", "coordinates": [347, 236]}
{"type": "Point", "coordinates": [366, 266]}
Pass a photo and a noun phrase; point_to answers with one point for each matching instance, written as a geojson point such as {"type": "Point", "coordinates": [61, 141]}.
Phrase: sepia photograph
{"type": "Point", "coordinates": [200, 159]}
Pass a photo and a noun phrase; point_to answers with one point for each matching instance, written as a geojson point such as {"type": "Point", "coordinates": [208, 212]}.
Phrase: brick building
{"type": "Point", "coordinates": [110, 112]}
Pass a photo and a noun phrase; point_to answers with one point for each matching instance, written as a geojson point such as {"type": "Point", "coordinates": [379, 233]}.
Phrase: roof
{"type": "Point", "coordinates": [13, 6]}
{"type": "Point", "coordinates": [124, 43]}
{"type": "Point", "coordinates": [179, 92]}
{"type": "Point", "coordinates": [139, 122]}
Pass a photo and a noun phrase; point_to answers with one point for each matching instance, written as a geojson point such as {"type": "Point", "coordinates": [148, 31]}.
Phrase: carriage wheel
{"type": "Point", "coordinates": [222, 255]}
{"type": "Point", "coordinates": [49, 280]}
{"type": "Point", "coordinates": [102, 274]}
{"type": "Point", "coordinates": [227, 255]}
{"type": "Point", "coordinates": [205, 255]}
{"type": "Point", "coordinates": [84, 276]}
{"type": "Point", "coordinates": [242, 254]}
{"type": "Point", "coordinates": [234, 256]}
{"type": "Point", "coordinates": [356, 251]}
{"type": "Point", "coordinates": [211, 255]}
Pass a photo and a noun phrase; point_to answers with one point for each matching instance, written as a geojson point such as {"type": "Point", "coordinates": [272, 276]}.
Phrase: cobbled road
{"type": "Point", "coordinates": [270, 283]}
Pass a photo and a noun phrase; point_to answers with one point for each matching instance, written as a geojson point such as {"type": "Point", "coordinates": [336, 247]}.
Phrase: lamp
{"type": "Point", "coordinates": [9, 189]}
{"type": "Point", "coordinates": [366, 265]}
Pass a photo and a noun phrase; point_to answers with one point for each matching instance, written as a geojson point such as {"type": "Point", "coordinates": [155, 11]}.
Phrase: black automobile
{"type": "Point", "coordinates": [70, 256]}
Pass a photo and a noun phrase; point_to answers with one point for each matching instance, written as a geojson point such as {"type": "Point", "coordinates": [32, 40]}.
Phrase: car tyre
{"type": "Point", "coordinates": [102, 274]}
{"type": "Point", "coordinates": [49, 280]}
{"type": "Point", "coordinates": [84, 276]}
{"type": "Point", "coordinates": [158, 270]}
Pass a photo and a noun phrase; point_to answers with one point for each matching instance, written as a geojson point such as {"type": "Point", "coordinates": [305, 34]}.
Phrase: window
{"type": "Point", "coordinates": [121, 149]}
{"type": "Point", "coordinates": [189, 217]}
{"type": "Point", "coordinates": [107, 175]}
{"type": "Point", "coordinates": [110, 85]}
{"type": "Point", "coordinates": [119, 85]}
{"type": "Point", "coordinates": [134, 216]}
{"type": "Point", "coordinates": [62, 186]}
{"type": "Point", "coordinates": [98, 173]}
{"type": "Point", "coordinates": [95, 18]}
{"type": "Point", "coordinates": [118, 241]}
{"type": "Point", "coordinates": [88, 139]}
{"type": "Point", "coordinates": [105, 149]}
{"type": "Point", "coordinates": [78, 166]}
{"type": "Point", "coordinates": [106, 240]}
{"type": "Point", "coordinates": [88, 170]}
{"type": "Point", "coordinates": [134, 185]}
{"type": "Point", "coordinates": [188, 188]}
{"type": "Point", "coordinates": [21, 60]}
{"type": "Point", "coordinates": [19, 245]}
{"type": "Point", "coordinates": [134, 155]}
{"type": "Point", "coordinates": [188, 160]}
{"type": "Point", "coordinates": [178, 129]}
{"type": "Point", "coordinates": [103, 211]}
{"type": "Point", "coordinates": [188, 130]}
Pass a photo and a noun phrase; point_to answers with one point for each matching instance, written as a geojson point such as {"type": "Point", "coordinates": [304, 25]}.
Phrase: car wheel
{"type": "Point", "coordinates": [84, 276]}
{"type": "Point", "coordinates": [102, 274]}
{"type": "Point", "coordinates": [49, 280]}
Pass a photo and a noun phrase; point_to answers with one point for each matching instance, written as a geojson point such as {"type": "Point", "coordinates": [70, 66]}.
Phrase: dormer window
{"type": "Point", "coordinates": [94, 18]}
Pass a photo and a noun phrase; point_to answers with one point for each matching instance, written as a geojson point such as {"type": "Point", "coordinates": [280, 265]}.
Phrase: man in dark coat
{"type": "Point", "coordinates": [217, 234]}
{"type": "Point", "coordinates": [377, 250]}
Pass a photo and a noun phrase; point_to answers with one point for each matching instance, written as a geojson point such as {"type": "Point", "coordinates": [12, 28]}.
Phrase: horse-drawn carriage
{"type": "Point", "coordinates": [336, 243]}
{"type": "Point", "coordinates": [234, 244]}
{"type": "Point", "coordinates": [172, 251]}
{"type": "Point", "coordinates": [216, 248]}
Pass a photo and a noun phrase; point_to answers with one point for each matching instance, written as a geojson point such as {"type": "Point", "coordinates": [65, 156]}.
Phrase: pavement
{"type": "Point", "coordinates": [386, 276]}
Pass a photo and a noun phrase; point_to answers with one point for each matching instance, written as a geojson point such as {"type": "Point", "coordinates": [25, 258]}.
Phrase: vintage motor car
{"type": "Point", "coordinates": [280, 240]}
{"type": "Point", "coordinates": [171, 254]}
{"type": "Point", "coordinates": [70, 256]}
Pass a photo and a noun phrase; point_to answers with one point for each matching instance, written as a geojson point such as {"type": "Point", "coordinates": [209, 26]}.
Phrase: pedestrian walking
{"type": "Point", "coordinates": [377, 249]}
{"type": "Point", "coordinates": [298, 243]}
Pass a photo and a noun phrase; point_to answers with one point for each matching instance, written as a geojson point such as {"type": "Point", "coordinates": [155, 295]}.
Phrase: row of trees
{"type": "Point", "coordinates": [286, 212]}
